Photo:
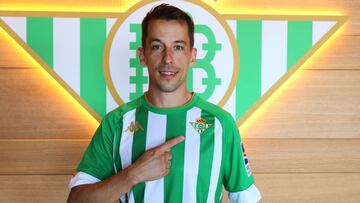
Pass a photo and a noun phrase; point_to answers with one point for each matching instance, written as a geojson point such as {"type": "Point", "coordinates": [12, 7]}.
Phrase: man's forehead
{"type": "Point", "coordinates": [173, 31]}
{"type": "Point", "coordinates": [179, 41]}
{"type": "Point", "coordinates": [163, 24]}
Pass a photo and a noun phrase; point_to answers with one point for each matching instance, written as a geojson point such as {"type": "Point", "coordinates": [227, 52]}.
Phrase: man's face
{"type": "Point", "coordinates": [167, 54]}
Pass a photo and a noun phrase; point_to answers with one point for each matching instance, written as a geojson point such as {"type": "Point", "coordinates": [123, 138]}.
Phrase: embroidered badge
{"type": "Point", "coordinates": [134, 126]}
{"type": "Point", "coordinates": [200, 125]}
{"type": "Point", "coordinates": [246, 161]}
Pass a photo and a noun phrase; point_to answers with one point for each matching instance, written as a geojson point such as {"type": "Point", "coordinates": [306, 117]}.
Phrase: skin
{"type": "Point", "coordinates": [168, 55]}
{"type": "Point", "coordinates": [152, 165]}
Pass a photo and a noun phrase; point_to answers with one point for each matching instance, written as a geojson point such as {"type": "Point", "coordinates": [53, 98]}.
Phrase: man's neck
{"type": "Point", "coordinates": [168, 99]}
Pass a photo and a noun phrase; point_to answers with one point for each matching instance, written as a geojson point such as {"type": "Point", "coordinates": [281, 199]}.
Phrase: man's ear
{"type": "Point", "coordinates": [142, 56]}
{"type": "Point", "coordinates": [193, 56]}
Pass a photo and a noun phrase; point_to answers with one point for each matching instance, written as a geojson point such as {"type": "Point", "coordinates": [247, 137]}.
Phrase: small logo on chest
{"type": "Point", "coordinates": [134, 126]}
{"type": "Point", "coordinates": [200, 125]}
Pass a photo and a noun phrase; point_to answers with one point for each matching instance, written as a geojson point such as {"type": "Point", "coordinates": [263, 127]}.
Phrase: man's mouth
{"type": "Point", "coordinates": [167, 73]}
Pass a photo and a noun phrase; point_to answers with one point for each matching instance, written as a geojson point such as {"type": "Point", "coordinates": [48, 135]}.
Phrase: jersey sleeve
{"type": "Point", "coordinates": [98, 157]}
{"type": "Point", "coordinates": [238, 179]}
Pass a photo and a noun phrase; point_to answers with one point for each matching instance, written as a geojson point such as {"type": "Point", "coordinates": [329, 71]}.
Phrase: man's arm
{"type": "Point", "coordinates": [238, 178]}
{"type": "Point", "coordinates": [152, 165]}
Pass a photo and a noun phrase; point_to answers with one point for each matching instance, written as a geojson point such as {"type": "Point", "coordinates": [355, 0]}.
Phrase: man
{"type": "Point", "coordinates": [168, 145]}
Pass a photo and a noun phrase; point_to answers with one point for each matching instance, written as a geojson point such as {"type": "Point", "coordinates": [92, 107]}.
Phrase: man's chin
{"type": "Point", "coordinates": [168, 88]}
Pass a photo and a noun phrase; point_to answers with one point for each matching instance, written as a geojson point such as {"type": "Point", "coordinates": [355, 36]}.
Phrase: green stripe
{"type": "Point", "coordinates": [248, 86]}
{"type": "Point", "coordinates": [207, 140]}
{"type": "Point", "coordinates": [139, 147]}
{"type": "Point", "coordinates": [299, 40]}
{"type": "Point", "coordinates": [219, 187]}
{"type": "Point", "coordinates": [92, 82]}
{"type": "Point", "coordinates": [116, 144]}
{"type": "Point", "coordinates": [173, 182]}
{"type": "Point", "coordinates": [39, 36]}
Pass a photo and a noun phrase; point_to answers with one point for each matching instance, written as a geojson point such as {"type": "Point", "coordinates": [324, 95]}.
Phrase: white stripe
{"type": "Point", "coordinates": [110, 102]}
{"type": "Point", "coordinates": [126, 143]}
{"type": "Point", "coordinates": [67, 51]}
{"type": "Point", "coordinates": [216, 163]}
{"type": "Point", "coordinates": [230, 105]}
{"type": "Point", "coordinates": [109, 23]}
{"type": "Point", "coordinates": [119, 68]}
{"type": "Point", "coordinates": [192, 155]}
{"type": "Point", "coordinates": [154, 190]}
{"type": "Point", "coordinates": [18, 25]}
{"type": "Point", "coordinates": [232, 25]}
{"type": "Point", "coordinates": [250, 195]}
{"type": "Point", "coordinates": [274, 53]}
{"type": "Point", "coordinates": [320, 28]}
{"type": "Point", "coordinates": [82, 178]}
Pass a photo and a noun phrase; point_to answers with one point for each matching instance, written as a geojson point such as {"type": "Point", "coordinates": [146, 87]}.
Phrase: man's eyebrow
{"type": "Point", "coordinates": [155, 40]}
{"type": "Point", "coordinates": [180, 41]}
{"type": "Point", "coordinates": [176, 41]}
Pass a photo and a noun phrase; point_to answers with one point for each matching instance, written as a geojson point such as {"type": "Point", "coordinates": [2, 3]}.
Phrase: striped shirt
{"type": "Point", "coordinates": [211, 155]}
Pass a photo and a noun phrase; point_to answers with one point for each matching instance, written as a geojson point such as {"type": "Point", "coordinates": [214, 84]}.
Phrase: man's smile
{"type": "Point", "coordinates": [168, 72]}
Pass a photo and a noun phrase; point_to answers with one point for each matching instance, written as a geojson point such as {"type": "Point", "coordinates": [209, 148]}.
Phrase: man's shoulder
{"type": "Point", "coordinates": [215, 110]}
{"type": "Point", "coordinates": [120, 111]}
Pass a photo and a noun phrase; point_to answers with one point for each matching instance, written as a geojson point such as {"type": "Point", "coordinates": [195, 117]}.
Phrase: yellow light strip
{"type": "Point", "coordinates": [83, 113]}
{"type": "Point", "coordinates": [223, 7]}
{"type": "Point", "coordinates": [73, 6]}
{"type": "Point", "coordinates": [258, 7]}
{"type": "Point", "coordinates": [25, 54]}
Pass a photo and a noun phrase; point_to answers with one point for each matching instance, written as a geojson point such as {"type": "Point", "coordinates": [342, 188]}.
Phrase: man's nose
{"type": "Point", "coordinates": [168, 57]}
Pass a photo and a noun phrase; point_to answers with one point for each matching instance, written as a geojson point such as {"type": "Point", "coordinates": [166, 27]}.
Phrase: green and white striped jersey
{"type": "Point", "coordinates": [211, 155]}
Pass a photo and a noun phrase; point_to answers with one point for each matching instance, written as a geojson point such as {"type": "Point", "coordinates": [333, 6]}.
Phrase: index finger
{"type": "Point", "coordinates": [170, 143]}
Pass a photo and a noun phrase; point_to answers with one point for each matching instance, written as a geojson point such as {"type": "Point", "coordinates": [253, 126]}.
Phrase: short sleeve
{"type": "Point", "coordinates": [82, 178]}
{"type": "Point", "coordinates": [238, 179]}
{"type": "Point", "coordinates": [98, 157]}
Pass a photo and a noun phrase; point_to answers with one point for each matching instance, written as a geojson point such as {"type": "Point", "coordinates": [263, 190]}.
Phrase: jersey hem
{"type": "Point", "coordinates": [250, 195]}
{"type": "Point", "coordinates": [82, 178]}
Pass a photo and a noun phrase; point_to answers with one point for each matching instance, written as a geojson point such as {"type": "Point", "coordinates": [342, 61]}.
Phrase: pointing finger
{"type": "Point", "coordinates": [170, 143]}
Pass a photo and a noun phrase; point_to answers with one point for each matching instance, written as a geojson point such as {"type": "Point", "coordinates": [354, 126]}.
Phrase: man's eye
{"type": "Point", "coordinates": [155, 47]}
{"type": "Point", "coordinates": [178, 48]}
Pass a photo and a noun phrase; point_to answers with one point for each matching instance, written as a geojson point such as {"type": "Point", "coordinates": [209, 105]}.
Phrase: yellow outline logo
{"type": "Point", "coordinates": [223, 19]}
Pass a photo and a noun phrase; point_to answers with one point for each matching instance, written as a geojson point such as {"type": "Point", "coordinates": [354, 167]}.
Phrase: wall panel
{"type": "Point", "coordinates": [302, 146]}
{"type": "Point", "coordinates": [309, 188]}
{"type": "Point", "coordinates": [34, 188]}
{"type": "Point", "coordinates": [31, 107]}
{"type": "Point", "coordinates": [303, 155]}
{"type": "Point", "coordinates": [36, 157]}
{"type": "Point", "coordinates": [19, 157]}
{"type": "Point", "coordinates": [316, 104]}
{"type": "Point", "coordinates": [341, 53]}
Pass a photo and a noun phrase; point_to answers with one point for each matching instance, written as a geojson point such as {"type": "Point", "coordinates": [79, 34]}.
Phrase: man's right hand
{"type": "Point", "coordinates": [154, 163]}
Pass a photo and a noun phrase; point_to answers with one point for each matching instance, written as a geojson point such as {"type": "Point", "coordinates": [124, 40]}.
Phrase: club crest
{"type": "Point", "coordinates": [200, 125]}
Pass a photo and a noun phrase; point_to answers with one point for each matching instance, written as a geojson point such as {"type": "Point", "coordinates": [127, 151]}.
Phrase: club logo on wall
{"type": "Point", "coordinates": [213, 78]}
{"type": "Point", "coordinates": [241, 60]}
